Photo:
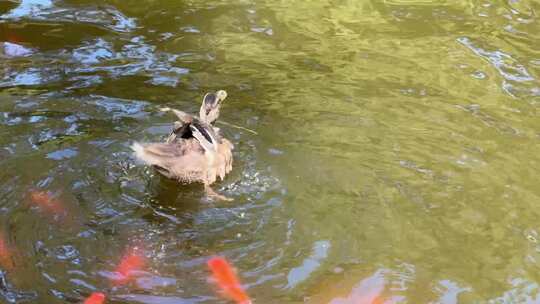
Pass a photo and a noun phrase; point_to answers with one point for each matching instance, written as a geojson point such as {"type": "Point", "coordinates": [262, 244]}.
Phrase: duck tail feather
{"type": "Point", "coordinates": [138, 150]}
{"type": "Point", "coordinates": [143, 154]}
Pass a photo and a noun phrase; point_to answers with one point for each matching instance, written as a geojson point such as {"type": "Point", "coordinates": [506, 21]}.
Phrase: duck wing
{"type": "Point", "coordinates": [183, 160]}
{"type": "Point", "coordinates": [181, 127]}
{"type": "Point", "coordinates": [180, 130]}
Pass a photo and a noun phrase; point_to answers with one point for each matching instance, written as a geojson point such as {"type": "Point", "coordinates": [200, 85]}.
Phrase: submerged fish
{"type": "Point", "coordinates": [367, 300]}
{"type": "Point", "coordinates": [47, 202]}
{"type": "Point", "coordinates": [6, 254]}
{"type": "Point", "coordinates": [225, 277]}
{"type": "Point", "coordinates": [368, 291]}
{"type": "Point", "coordinates": [132, 261]}
{"type": "Point", "coordinates": [95, 298]}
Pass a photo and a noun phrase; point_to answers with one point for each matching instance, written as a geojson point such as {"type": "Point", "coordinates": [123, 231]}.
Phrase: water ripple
{"type": "Point", "coordinates": [118, 107]}
{"type": "Point", "coordinates": [45, 10]}
{"type": "Point", "coordinates": [374, 160]}
{"type": "Point", "coordinates": [11, 295]}
{"type": "Point", "coordinates": [507, 66]}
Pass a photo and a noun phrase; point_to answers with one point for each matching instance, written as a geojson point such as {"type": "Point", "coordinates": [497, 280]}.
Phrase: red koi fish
{"type": "Point", "coordinates": [5, 254]}
{"type": "Point", "coordinates": [228, 282]}
{"type": "Point", "coordinates": [369, 291]}
{"type": "Point", "coordinates": [95, 298]}
{"type": "Point", "coordinates": [47, 202]}
{"type": "Point", "coordinates": [376, 300]}
{"type": "Point", "coordinates": [7, 35]}
{"type": "Point", "coordinates": [131, 262]}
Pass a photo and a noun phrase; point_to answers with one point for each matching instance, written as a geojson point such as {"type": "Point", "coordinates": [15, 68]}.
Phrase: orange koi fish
{"type": "Point", "coordinates": [7, 34]}
{"type": "Point", "coordinates": [368, 291]}
{"type": "Point", "coordinates": [47, 202]}
{"type": "Point", "coordinates": [95, 298]}
{"type": "Point", "coordinates": [132, 261]}
{"type": "Point", "coordinates": [5, 254]}
{"type": "Point", "coordinates": [376, 300]}
{"type": "Point", "coordinates": [228, 282]}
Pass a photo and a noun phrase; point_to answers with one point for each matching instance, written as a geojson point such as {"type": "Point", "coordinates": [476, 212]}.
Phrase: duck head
{"type": "Point", "coordinates": [209, 111]}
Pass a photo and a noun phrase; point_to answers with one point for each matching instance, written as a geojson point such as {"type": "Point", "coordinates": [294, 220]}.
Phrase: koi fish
{"type": "Point", "coordinates": [5, 254]}
{"type": "Point", "coordinates": [46, 201]}
{"type": "Point", "coordinates": [225, 277]}
{"type": "Point", "coordinates": [95, 298]}
{"type": "Point", "coordinates": [7, 34]}
{"type": "Point", "coordinates": [376, 300]}
{"type": "Point", "coordinates": [369, 299]}
{"type": "Point", "coordinates": [368, 291]}
{"type": "Point", "coordinates": [11, 45]}
{"type": "Point", "coordinates": [132, 261]}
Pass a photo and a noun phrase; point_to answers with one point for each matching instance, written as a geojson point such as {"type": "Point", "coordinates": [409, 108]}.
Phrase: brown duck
{"type": "Point", "coordinates": [195, 151]}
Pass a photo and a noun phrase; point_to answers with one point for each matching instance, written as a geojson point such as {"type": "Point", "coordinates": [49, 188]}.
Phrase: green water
{"type": "Point", "coordinates": [396, 152]}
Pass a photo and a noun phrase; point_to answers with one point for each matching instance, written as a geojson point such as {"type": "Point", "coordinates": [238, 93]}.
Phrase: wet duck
{"type": "Point", "coordinates": [195, 151]}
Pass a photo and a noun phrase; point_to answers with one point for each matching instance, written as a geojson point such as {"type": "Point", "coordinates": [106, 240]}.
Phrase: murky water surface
{"type": "Point", "coordinates": [396, 156]}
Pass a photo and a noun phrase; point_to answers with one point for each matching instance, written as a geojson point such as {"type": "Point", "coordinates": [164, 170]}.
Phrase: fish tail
{"type": "Point", "coordinates": [227, 280]}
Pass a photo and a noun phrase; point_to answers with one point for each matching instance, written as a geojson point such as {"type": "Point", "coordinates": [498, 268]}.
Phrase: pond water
{"type": "Point", "coordinates": [396, 151]}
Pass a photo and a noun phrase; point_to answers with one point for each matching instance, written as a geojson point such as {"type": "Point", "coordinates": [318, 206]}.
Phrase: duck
{"type": "Point", "coordinates": [195, 150]}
